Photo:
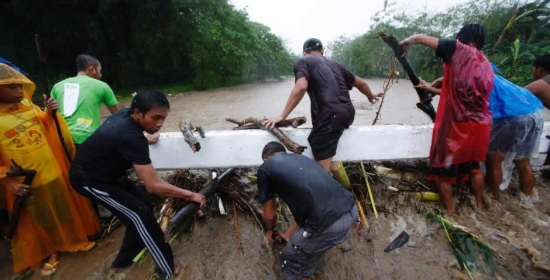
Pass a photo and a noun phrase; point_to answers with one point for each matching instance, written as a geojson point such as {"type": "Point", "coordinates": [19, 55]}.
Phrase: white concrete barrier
{"type": "Point", "coordinates": [242, 148]}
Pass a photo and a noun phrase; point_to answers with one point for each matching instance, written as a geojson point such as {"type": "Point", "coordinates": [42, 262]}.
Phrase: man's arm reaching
{"type": "Point", "coordinates": [296, 95]}
{"type": "Point", "coordinates": [155, 185]}
{"type": "Point", "coordinates": [364, 88]}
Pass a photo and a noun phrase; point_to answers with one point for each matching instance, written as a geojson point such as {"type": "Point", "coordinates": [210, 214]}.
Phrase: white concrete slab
{"type": "Point", "coordinates": [242, 148]}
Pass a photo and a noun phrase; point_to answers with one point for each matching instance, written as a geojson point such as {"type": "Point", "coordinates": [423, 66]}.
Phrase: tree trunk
{"type": "Point", "coordinates": [425, 97]}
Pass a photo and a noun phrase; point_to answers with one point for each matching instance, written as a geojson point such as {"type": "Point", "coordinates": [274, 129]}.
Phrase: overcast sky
{"type": "Point", "coordinates": [297, 20]}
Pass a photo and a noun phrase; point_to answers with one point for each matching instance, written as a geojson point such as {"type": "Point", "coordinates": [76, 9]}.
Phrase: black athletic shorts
{"type": "Point", "coordinates": [324, 139]}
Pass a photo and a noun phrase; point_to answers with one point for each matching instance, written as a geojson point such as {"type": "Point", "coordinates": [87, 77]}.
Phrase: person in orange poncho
{"type": "Point", "coordinates": [54, 218]}
{"type": "Point", "coordinates": [463, 123]}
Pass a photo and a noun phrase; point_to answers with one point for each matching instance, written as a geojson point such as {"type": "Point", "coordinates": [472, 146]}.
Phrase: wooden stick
{"type": "Point", "coordinates": [425, 97]}
{"type": "Point", "coordinates": [287, 142]}
{"type": "Point", "coordinates": [238, 235]}
{"type": "Point", "coordinates": [294, 122]}
{"type": "Point", "coordinates": [386, 86]}
{"type": "Point", "coordinates": [250, 122]}
{"type": "Point", "coordinates": [362, 215]}
{"type": "Point", "coordinates": [187, 130]}
{"type": "Point", "coordinates": [242, 122]}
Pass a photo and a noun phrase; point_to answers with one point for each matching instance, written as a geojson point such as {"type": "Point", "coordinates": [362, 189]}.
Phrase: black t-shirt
{"type": "Point", "coordinates": [315, 199]}
{"type": "Point", "coordinates": [329, 84]}
{"type": "Point", "coordinates": [446, 49]}
{"type": "Point", "coordinates": [111, 150]}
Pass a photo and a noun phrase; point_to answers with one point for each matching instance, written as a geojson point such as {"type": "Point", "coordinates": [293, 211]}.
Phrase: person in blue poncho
{"type": "Point", "coordinates": [515, 135]}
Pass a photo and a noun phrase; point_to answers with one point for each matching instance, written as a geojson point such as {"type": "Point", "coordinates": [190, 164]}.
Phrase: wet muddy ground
{"type": "Point", "coordinates": [519, 235]}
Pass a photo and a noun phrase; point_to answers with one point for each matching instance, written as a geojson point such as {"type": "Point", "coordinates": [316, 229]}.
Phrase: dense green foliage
{"type": "Point", "coordinates": [205, 43]}
{"type": "Point", "coordinates": [523, 37]}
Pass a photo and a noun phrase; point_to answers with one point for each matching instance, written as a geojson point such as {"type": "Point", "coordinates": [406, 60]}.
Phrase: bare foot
{"type": "Point", "coordinates": [50, 266]}
{"type": "Point", "coordinates": [177, 268]}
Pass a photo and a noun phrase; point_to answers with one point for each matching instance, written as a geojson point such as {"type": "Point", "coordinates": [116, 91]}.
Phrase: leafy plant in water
{"type": "Point", "coordinates": [464, 243]}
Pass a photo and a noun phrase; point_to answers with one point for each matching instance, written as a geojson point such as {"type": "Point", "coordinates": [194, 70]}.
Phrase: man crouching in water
{"type": "Point", "coordinates": [99, 173]}
{"type": "Point", "coordinates": [323, 211]}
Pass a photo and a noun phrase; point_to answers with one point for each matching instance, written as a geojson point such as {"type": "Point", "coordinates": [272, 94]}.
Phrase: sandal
{"type": "Point", "coordinates": [51, 268]}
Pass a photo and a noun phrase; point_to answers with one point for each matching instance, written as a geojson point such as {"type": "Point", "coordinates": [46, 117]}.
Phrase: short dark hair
{"type": "Point", "coordinates": [543, 62]}
{"type": "Point", "coordinates": [472, 33]}
{"type": "Point", "coordinates": [83, 61]}
{"type": "Point", "coordinates": [146, 99]}
{"type": "Point", "coordinates": [271, 148]}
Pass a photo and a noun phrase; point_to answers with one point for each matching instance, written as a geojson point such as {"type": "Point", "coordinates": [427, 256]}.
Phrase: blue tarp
{"type": "Point", "coordinates": [509, 100]}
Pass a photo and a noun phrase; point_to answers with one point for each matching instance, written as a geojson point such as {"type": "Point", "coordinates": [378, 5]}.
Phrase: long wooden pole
{"type": "Point", "coordinates": [46, 91]}
{"type": "Point", "coordinates": [425, 103]}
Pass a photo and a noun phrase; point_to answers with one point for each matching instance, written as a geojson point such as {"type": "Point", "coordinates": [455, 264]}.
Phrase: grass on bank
{"type": "Point", "coordinates": [126, 93]}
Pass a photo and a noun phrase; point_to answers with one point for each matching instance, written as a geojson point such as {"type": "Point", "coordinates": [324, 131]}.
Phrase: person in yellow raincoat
{"type": "Point", "coordinates": [54, 217]}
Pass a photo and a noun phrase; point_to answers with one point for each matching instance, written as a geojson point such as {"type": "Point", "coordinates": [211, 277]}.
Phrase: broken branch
{"type": "Point", "coordinates": [187, 130]}
{"type": "Point", "coordinates": [251, 123]}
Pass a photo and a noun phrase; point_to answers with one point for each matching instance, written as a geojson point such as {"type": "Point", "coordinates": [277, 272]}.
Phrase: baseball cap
{"type": "Point", "coordinates": [312, 43]}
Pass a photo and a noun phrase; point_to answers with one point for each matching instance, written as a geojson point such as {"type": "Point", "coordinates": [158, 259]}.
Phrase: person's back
{"type": "Point", "coordinates": [328, 88]}
{"type": "Point", "coordinates": [463, 123]}
{"type": "Point", "coordinates": [467, 87]}
{"type": "Point", "coordinates": [315, 199]}
{"type": "Point", "coordinates": [463, 105]}
{"type": "Point", "coordinates": [80, 98]}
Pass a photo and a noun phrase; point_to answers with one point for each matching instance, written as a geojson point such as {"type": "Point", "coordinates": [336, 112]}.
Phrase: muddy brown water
{"type": "Point", "coordinates": [519, 235]}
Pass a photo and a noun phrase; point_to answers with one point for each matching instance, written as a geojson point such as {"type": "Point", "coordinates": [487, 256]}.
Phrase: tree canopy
{"type": "Point", "coordinates": [514, 36]}
{"type": "Point", "coordinates": [207, 43]}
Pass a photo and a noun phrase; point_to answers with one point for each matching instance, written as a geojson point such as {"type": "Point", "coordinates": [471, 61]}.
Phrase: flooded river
{"type": "Point", "coordinates": [519, 235]}
{"type": "Point", "coordinates": [209, 108]}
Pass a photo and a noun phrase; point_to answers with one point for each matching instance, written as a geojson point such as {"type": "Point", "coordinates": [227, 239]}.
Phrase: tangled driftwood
{"type": "Point", "coordinates": [256, 123]}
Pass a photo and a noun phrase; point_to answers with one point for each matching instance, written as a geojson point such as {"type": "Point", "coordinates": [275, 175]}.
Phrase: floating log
{"type": "Point", "coordinates": [425, 97]}
{"type": "Point", "coordinates": [339, 173]}
{"type": "Point", "coordinates": [208, 191]}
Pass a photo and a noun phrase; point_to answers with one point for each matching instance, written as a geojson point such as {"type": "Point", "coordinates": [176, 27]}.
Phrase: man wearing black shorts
{"type": "Point", "coordinates": [99, 169]}
{"type": "Point", "coordinates": [328, 84]}
{"type": "Point", "coordinates": [323, 211]}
